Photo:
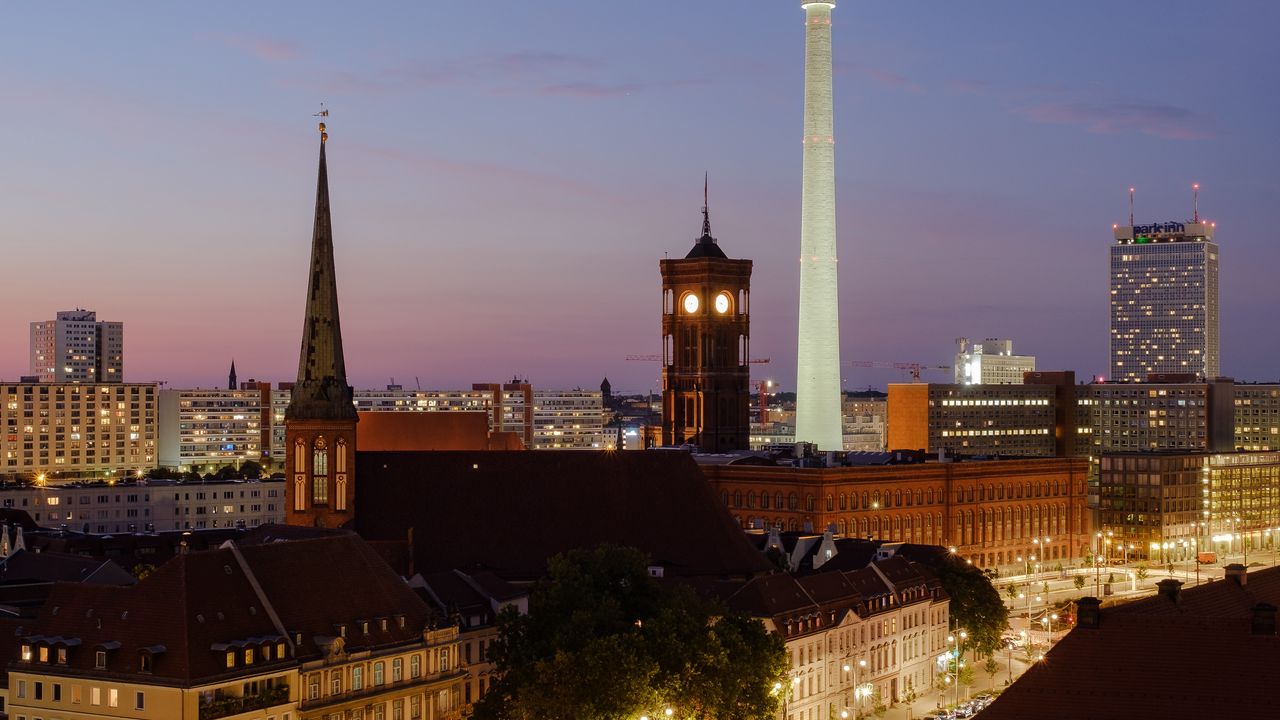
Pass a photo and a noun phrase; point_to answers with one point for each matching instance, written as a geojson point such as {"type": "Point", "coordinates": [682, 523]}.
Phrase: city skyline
{"type": "Point", "coordinates": [539, 235]}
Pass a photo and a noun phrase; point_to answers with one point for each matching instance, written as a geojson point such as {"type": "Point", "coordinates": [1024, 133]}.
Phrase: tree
{"type": "Point", "coordinates": [1142, 571]}
{"type": "Point", "coordinates": [1011, 590]}
{"type": "Point", "coordinates": [1078, 582]}
{"type": "Point", "coordinates": [251, 469]}
{"type": "Point", "coordinates": [991, 667]}
{"type": "Point", "coordinates": [602, 639]}
{"type": "Point", "coordinates": [975, 604]}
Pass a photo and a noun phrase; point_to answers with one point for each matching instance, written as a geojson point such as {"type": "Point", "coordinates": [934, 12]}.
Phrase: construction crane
{"type": "Point", "coordinates": [658, 358]}
{"type": "Point", "coordinates": [913, 368]}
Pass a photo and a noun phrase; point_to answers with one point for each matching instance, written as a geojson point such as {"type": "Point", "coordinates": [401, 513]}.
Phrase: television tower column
{"type": "Point", "coordinates": [818, 406]}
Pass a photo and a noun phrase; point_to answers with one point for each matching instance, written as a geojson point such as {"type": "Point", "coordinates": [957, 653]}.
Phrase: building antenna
{"type": "Point", "coordinates": [324, 113]}
{"type": "Point", "coordinates": [706, 213]}
{"type": "Point", "coordinates": [1195, 193]}
{"type": "Point", "coordinates": [1130, 207]}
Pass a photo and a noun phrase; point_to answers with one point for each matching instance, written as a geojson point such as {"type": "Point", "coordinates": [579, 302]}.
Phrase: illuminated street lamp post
{"type": "Point", "coordinates": [1042, 548]}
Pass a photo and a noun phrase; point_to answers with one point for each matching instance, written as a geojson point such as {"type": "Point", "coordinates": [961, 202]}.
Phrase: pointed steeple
{"type": "Point", "coordinates": [321, 391]}
{"type": "Point", "coordinates": [231, 379]}
{"type": "Point", "coordinates": [706, 245]}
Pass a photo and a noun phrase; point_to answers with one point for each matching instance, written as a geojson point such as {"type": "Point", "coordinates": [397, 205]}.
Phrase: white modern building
{"type": "Point", "coordinates": [151, 505]}
{"type": "Point", "coordinates": [204, 430]}
{"type": "Point", "coordinates": [52, 432]}
{"type": "Point", "coordinates": [77, 347]}
{"type": "Point", "coordinates": [991, 362]}
{"type": "Point", "coordinates": [818, 346]}
{"type": "Point", "coordinates": [1164, 301]}
{"type": "Point", "coordinates": [569, 420]}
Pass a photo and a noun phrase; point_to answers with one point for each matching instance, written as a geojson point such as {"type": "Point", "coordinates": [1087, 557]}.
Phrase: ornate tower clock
{"type": "Point", "coordinates": [705, 347]}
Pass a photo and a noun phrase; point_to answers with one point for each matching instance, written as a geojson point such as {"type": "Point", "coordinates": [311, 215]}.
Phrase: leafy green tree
{"type": "Point", "coordinates": [1078, 582]}
{"type": "Point", "coordinates": [991, 667]}
{"type": "Point", "coordinates": [602, 639]}
{"type": "Point", "coordinates": [1142, 571]}
{"type": "Point", "coordinates": [1011, 590]}
{"type": "Point", "coordinates": [251, 469]}
{"type": "Point", "coordinates": [976, 605]}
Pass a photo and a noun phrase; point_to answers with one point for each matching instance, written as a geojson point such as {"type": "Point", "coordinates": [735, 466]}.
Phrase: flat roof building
{"type": "Point", "coordinates": [1164, 301]}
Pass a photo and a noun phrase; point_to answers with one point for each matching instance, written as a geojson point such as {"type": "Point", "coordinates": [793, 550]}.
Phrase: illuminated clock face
{"type": "Point", "coordinates": [691, 303]}
{"type": "Point", "coordinates": [722, 303]}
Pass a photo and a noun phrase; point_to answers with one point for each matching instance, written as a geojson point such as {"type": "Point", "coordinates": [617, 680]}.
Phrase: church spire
{"type": "Point", "coordinates": [706, 213]}
{"type": "Point", "coordinates": [321, 391]}
{"type": "Point", "coordinates": [231, 379]}
{"type": "Point", "coordinates": [706, 245]}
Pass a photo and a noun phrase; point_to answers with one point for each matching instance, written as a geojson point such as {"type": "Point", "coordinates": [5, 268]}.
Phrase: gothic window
{"type": "Point", "coordinates": [300, 492]}
{"type": "Point", "coordinates": [300, 456]}
{"type": "Point", "coordinates": [340, 455]}
{"type": "Point", "coordinates": [320, 490]}
{"type": "Point", "coordinates": [340, 493]}
{"type": "Point", "coordinates": [793, 501]}
{"type": "Point", "coordinates": [844, 502]}
{"type": "Point", "coordinates": [320, 458]}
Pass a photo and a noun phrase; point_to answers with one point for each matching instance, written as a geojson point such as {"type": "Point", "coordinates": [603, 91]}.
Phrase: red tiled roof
{"type": "Point", "coordinates": [1197, 657]}
{"type": "Point", "coordinates": [509, 512]}
{"type": "Point", "coordinates": [200, 604]}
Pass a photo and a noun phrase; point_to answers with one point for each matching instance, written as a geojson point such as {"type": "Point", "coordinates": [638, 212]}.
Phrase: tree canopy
{"type": "Point", "coordinates": [602, 639]}
{"type": "Point", "coordinates": [976, 605]}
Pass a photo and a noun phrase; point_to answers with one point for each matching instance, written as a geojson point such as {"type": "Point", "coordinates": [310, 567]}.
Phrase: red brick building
{"type": "Point", "coordinates": [990, 511]}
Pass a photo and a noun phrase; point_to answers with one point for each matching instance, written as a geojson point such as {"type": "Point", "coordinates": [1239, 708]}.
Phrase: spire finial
{"type": "Point", "coordinates": [324, 113]}
{"type": "Point", "coordinates": [1130, 207]}
{"type": "Point", "coordinates": [706, 213]}
{"type": "Point", "coordinates": [1195, 191]}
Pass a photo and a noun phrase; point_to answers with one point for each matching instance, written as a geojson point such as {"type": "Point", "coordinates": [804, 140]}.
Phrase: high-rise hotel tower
{"type": "Point", "coordinates": [1164, 300]}
{"type": "Point", "coordinates": [818, 397]}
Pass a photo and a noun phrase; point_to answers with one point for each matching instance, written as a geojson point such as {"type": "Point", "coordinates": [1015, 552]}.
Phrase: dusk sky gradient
{"type": "Point", "coordinates": [506, 175]}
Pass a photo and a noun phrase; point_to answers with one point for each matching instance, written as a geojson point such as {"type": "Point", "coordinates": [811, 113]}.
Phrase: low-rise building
{"type": "Point", "coordinates": [315, 628]}
{"type": "Point", "coordinates": [855, 638]}
{"type": "Point", "coordinates": [991, 362]}
{"type": "Point", "coordinates": [149, 505]}
{"type": "Point", "coordinates": [990, 511]}
{"type": "Point", "coordinates": [569, 420]}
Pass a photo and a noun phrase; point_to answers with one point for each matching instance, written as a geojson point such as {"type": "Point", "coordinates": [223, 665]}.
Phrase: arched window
{"type": "Point", "coordinates": [340, 455]}
{"type": "Point", "coordinates": [809, 503]}
{"type": "Point", "coordinates": [764, 500]}
{"type": "Point", "coordinates": [320, 473]}
{"type": "Point", "coordinates": [844, 502]}
{"type": "Point", "coordinates": [831, 504]}
{"type": "Point", "coordinates": [929, 496]}
{"type": "Point", "coordinates": [865, 504]}
{"type": "Point", "coordinates": [300, 456]}
{"type": "Point", "coordinates": [724, 497]}
{"type": "Point", "coordinates": [300, 489]}
{"type": "Point", "coordinates": [751, 499]}
{"type": "Point", "coordinates": [737, 498]}
{"type": "Point", "coordinates": [897, 498]}
{"type": "Point", "coordinates": [320, 458]}
{"type": "Point", "coordinates": [777, 500]}
{"type": "Point", "coordinates": [875, 499]}
{"type": "Point", "coordinates": [793, 502]}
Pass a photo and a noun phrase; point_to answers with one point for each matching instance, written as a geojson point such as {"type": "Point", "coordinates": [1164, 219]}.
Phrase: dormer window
{"type": "Point", "coordinates": [100, 660]}
{"type": "Point", "coordinates": [280, 650]}
{"type": "Point", "coordinates": [342, 631]}
{"type": "Point", "coordinates": [400, 621]}
{"type": "Point", "coordinates": [382, 624]}
{"type": "Point", "coordinates": [26, 653]}
{"type": "Point", "coordinates": [364, 627]}
{"type": "Point", "coordinates": [231, 658]}
{"type": "Point", "coordinates": [44, 653]}
{"type": "Point", "coordinates": [248, 656]}
{"type": "Point", "coordinates": [144, 663]}
{"type": "Point", "coordinates": [62, 656]}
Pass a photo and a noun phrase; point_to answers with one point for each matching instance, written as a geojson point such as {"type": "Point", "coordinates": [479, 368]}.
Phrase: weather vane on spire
{"type": "Point", "coordinates": [324, 113]}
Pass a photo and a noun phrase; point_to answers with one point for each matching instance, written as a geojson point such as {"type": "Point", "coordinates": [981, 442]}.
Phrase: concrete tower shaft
{"type": "Point", "coordinates": [818, 418]}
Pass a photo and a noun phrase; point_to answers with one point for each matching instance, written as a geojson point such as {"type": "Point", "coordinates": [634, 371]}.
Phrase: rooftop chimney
{"type": "Point", "coordinates": [1089, 612]}
{"type": "Point", "coordinates": [1264, 619]}
{"type": "Point", "coordinates": [1170, 589]}
{"type": "Point", "coordinates": [1237, 574]}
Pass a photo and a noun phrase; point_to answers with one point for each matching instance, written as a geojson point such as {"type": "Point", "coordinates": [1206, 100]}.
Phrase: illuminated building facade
{"type": "Point", "coordinates": [77, 347]}
{"type": "Point", "coordinates": [991, 362]}
{"type": "Point", "coordinates": [974, 419]}
{"type": "Point", "coordinates": [989, 510]}
{"type": "Point", "coordinates": [569, 420]}
{"type": "Point", "coordinates": [1165, 506]}
{"type": "Point", "coordinates": [207, 429]}
{"type": "Point", "coordinates": [60, 431]}
{"type": "Point", "coordinates": [706, 332]}
{"type": "Point", "coordinates": [818, 346]}
{"type": "Point", "coordinates": [1164, 301]}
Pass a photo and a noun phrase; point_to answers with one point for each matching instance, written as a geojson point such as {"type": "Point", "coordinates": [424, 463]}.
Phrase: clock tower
{"type": "Point", "coordinates": [320, 422]}
{"type": "Point", "coordinates": [705, 347]}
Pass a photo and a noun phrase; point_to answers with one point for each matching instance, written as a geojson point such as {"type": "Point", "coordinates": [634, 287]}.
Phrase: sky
{"type": "Point", "coordinates": [506, 175]}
